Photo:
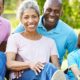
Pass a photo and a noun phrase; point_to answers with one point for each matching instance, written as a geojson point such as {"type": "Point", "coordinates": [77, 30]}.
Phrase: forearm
{"type": "Point", "coordinates": [55, 61]}
{"type": "Point", "coordinates": [3, 46]}
{"type": "Point", "coordinates": [17, 65]}
{"type": "Point", "coordinates": [75, 70]}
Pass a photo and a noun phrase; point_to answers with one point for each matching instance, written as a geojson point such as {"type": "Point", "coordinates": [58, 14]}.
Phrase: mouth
{"type": "Point", "coordinates": [31, 26]}
{"type": "Point", "coordinates": [52, 20]}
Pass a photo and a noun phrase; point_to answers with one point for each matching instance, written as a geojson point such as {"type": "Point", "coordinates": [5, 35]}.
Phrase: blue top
{"type": "Point", "coordinates": [73, 59]}
{"type": "Point", "coordinates": [63, 35]}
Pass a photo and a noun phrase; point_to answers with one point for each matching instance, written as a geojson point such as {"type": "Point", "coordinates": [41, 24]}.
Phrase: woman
{"type": "Point", "coordinates": [34, 49]}
{"type": "Point", "coordinates": [74, 63]}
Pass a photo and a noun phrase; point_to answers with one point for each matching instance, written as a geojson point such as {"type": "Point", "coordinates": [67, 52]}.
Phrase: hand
{"type": "Point", "coordinates": [37, 67]}
{"type": "Point", "coordinates": [18, 74]}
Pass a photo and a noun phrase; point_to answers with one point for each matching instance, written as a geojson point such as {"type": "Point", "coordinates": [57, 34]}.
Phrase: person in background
{"type": "Point", "coordinates": [51, 26]}
{"type": "Point", "coordinates": [4, 33]}
{"type": "Point", "coordinates": [35, 50]}
{"type": "Point", "coordinates": [74, 63]}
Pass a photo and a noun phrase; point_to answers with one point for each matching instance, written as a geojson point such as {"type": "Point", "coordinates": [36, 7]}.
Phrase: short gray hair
{"type": "Point", "coordinates": [26, 5]}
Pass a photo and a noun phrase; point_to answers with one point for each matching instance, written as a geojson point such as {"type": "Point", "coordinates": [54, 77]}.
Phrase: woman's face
{"type": "Point", "coordinates": [30, 20]}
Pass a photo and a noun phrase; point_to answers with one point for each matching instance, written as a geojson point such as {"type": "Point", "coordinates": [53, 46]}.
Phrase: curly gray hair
{"type": "Point", "coordinates": [26, 5]}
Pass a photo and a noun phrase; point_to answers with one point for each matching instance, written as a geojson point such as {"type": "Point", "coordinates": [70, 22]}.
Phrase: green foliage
{"type": "Point", "coordinates": [41, 4]}
{"type": "Point", "coordinates": [71, 11]}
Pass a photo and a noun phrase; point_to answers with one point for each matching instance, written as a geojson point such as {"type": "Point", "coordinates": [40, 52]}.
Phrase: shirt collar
{"type": "Point", "coordinates": [57, 29]}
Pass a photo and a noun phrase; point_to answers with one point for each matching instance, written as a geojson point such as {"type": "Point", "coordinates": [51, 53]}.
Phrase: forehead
{"type": "Point", "coordinates": [52, 4]}
{"type": "Point", "coordinates": [29, 11]}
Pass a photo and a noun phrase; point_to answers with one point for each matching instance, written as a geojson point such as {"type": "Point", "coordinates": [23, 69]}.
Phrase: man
{"type": "Point", "coordinates": [51, 26]}
{"type": "Point", "coordinates": [4, 33]}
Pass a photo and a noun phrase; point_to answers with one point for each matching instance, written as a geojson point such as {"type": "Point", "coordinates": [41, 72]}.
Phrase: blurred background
{"type": "Point", "coordinates": [71, 12]}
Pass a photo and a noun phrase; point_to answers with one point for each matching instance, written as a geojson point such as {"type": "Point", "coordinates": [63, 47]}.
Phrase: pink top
{"type": "Point", "coordinates": [4, 29]}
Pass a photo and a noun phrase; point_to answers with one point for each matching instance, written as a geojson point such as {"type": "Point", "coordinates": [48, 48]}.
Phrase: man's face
{"type": "Point", "coordinates": [52, 10]}
{"type": "Point", "coordinates": [1, 6]}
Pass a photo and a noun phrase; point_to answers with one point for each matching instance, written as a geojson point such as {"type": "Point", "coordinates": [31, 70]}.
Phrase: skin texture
{"type": "Point", "coordinates": [52, 12]}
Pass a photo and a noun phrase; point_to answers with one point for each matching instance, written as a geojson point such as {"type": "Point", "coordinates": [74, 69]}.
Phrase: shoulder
{"type": "Point", "coordinates": [73, 54]}
{"type": "Point", "coordinates": [67, 29]}
{"type": "Point", "coordinates": [4, 19]}
{"type": "Point", "coordinates": [49, 40]}
{"type": "Point", "coordinates": [14, 36]}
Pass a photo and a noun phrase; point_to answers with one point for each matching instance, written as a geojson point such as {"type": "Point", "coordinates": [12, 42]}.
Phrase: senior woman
{"type": "Point", "coordinates": [35, 50]}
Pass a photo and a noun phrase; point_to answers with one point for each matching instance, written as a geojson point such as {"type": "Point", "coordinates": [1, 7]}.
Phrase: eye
{"type": "Point", "coordinates": [56, 11]}
{"type": "Point", "coordinates": [49, 10]}
{"type": "Point", "coordinates": [34, 16]}
{"type": "Point", "coordinates": [26, 17]}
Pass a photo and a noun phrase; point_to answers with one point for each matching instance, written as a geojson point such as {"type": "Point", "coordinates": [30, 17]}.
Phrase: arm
{"type": "Point", "coordinates": [55, 61]}
{"type": "Point", "coordinates": [73, 61]}
{"type": "Point", "coordinates": [75, 70]}
{"type": "Point", "coordinates": [15, 65]}
{"type": "Point", "coordinates": [71, 42]}
{"type": "Point", "coordinates": [54, 54]}
{"type": "Point", "coordinates": [3, 46]}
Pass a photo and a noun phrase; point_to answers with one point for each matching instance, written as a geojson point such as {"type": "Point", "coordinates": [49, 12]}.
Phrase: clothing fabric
{"type": "Point", "coordinates": [2, 65]}
{"type": "Point", "coordinates": [46, 73]}
{"type": "Point", "coordinates": [4, 29]}
{"type": "Point", "coordinates": [32, 50]}
{"type": "Point", "coordinates": [63, 34]}
{"type": "Point", "coordinates": [73, 60]}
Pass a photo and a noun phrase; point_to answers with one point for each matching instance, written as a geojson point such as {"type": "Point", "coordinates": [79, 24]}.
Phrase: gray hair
{"type": "Point", "coordinates": [26, 5]}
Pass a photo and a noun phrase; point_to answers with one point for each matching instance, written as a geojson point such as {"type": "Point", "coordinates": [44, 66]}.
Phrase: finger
{"type": "Point", "coordinates": [37, 69]}
{"type": "Point", "coordinates": [20, 74]}
{"type": "Point", "coordinates": [40, 66]}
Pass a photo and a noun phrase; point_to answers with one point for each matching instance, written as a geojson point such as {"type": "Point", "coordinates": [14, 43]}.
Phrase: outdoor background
{"type": "Point", "coordinates": [71, 13]}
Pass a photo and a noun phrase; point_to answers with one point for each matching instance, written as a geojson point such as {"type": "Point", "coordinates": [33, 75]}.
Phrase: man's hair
{"type": "Point", "coordinates": [60, 1]}
{"type": "Point", "coordinates": [46, 2]}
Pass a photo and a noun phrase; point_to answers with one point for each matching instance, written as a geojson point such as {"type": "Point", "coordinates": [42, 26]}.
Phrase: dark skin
{"type": "Point", "coordinates": [51, 15]}
{"type": "Point", "coordinates": [3, 46]}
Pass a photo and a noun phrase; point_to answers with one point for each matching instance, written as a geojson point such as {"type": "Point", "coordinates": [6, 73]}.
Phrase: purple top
{"type": "Point", "coordinates": [4, 29]}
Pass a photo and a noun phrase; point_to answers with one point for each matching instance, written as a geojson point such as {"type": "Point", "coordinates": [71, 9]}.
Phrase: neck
{"type": "Point", "coordinates": [31, 35]}
{"type": "Point", "coordinates": [48, 26]}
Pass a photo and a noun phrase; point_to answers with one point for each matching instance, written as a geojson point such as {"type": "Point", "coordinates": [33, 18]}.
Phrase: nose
{"type": "Point", "coordinates": [52, 13]}
{"type": "Point", "coordinates": [30, 20]}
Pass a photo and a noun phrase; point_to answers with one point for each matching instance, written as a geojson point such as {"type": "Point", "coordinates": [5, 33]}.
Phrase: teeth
{"type": "Point", "coordinates": [51, 19]}
{"type": "Point", "coordinates": [31, 26]}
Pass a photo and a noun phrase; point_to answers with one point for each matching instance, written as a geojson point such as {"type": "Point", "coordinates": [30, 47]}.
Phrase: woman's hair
{"type": "Point", "coordinates": [78, 44]}
{"type": "Point", "coordinates": [26, 5]}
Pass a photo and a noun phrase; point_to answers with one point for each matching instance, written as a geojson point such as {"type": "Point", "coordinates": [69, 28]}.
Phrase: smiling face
{"type": "Point", "coordinates": [30, 20]}
{"type": "Point", "coordinates": [52, 10]}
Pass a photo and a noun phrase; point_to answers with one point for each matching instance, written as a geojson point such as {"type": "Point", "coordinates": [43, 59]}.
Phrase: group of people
{"type": "Point", "coordinates": [36, 49]}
